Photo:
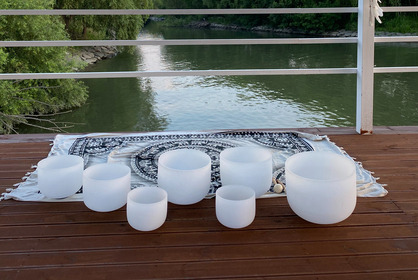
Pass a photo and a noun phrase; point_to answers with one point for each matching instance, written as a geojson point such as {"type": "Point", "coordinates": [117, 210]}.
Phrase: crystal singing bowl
{"type": "Point", "coordinates": [248, 166]}
{"type": "Point", "coordinates": [146, 208]}
{"type": "Point", "coordinates": [321, 186]}
{"type": "Point", "coordinates": [106, 186]}
{"type": "Point", "coordinates": [235, 206]}
{"type": "Point", "coordinates": [60, 176]}
{"type": "Point", "coordinates": [185, 174]}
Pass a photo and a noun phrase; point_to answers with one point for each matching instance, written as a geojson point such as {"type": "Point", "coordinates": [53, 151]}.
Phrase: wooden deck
{"type": "Point", "coordinates": [68, 241]}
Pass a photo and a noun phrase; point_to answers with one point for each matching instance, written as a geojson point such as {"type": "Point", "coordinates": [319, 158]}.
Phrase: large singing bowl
{"type": "Point", "coordinates": [321, 186]}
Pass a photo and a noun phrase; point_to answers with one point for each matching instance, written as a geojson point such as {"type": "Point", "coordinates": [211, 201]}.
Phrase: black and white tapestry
{"type": "Point", "coordinates": [141, 152]}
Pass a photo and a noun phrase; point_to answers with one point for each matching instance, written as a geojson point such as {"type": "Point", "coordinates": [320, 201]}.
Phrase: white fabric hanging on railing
{"type": "Point", "coordinates": [376, 11]}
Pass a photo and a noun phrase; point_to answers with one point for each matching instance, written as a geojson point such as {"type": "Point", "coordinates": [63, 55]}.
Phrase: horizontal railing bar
{"type": "Point", "coordinates": [396, 39]}
{"type": "Point", "coordinates": [240, 72]}
{"type": "Point", "coordinates": [193, 42]}
{"type": "Point", "coordinates": [400, 9]}
{"type": "Point", "coordinates": [177, 42]}
{"type": "Point", "coordinates": [178, 11]}
{"type": "Point", "coordinates": [405, 69]}
{"type": "Point", "coordinates": [197, 11]}
{"type": "Point", "coordinates": [138, 74]}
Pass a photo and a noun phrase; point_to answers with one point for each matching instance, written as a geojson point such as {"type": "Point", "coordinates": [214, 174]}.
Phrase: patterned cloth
{"type": "Point", "coordinates": [141, 151]}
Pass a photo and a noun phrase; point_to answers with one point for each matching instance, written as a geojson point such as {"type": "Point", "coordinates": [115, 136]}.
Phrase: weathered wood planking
{"type": "Point", "coordinates": [66, 240]}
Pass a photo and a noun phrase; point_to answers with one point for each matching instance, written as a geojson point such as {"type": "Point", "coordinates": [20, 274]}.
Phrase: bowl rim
{"type": "Point", "coordinates": [70, 160]}
{"type": "Point", "coordinates": [196, 151]}
{"type": "Point", "coordinates": [340, 156]}
{"type": "Point", "coordinates": [265, 155]}
{"type": "Point", "coordinates": [132, 195]}
{"type": "Point", "coordinates": [249, 195]}
{"type": "Point", "coordinates": [91, 169]}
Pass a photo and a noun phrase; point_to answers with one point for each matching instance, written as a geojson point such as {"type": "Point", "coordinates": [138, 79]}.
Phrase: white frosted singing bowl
{"type": "Point", "coordinates": [248, 166]}
{"type": "Point", "coordinates": [60, 176]}
{"type": "Point", "coordinates": [321, 186]}
{"type": "Point", "coordinates": [185, 174]}
{"type": "Point", "coordinates": [106, 186]}
{"type": "Point", "coordinates": [235, 206]}
{"type": "Point", "coordinates": [146, 208]}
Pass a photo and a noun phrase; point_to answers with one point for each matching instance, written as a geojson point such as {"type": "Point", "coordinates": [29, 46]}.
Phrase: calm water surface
{"type": "Point", "coordinates": [198, 103]}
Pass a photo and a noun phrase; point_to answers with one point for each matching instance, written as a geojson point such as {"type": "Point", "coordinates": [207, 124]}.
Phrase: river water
{"type": "Point", "coordinates": [199, 103]}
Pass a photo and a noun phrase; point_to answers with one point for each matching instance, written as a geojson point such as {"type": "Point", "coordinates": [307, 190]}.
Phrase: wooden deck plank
{"type": "Point", "coordinates": [67, 240]}
{"type": "Point", "coordinates": [221, 268]}
{"type": "Point", "coordinates": [198, 222]}
{"type": "Point", "coordinates": [29, 215]}
{"type": "Point", "coordinates": [214, 252]}
{"type": "Point", "coordinates": [404, 275]}
{"type": "Point", "coordinates": [131, 239]}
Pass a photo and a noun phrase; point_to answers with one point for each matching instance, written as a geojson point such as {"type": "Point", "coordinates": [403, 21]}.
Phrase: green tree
{"type": "Point", "coordinates": [104, 27]}
{"type": "Point", "coordinates": [23, 100]}
{"type": "Point", "coordinates": [312, 22]}
{"type": "Point", "coordinates": [396, 22]}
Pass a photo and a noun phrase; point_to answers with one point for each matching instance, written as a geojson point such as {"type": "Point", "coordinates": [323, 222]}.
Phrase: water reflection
{"type": "Point", "coordinates": [121, 104]}
{"type": "Point", "coordinates": [397, 100]}
{"type": "Point", "coordinates": [255, 101]}
{"type": "Point", "coordinates": [125, 104]}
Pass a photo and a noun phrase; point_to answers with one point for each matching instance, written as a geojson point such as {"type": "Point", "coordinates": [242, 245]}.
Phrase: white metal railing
{"type": "Point", "coordinates": [201, 11]}
{"type": "Point", "coordinates": [365, 51]}
{"type": "Point", "coordinates": [181, 11]}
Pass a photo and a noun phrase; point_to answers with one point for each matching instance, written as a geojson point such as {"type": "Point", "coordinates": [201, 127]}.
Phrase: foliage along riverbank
{"type": "Point", "coordinates": [29, 101]}
{"type": "Point", "coordinates": [306, 23]}
{"type": "Point", "coordinates": [333, 33]}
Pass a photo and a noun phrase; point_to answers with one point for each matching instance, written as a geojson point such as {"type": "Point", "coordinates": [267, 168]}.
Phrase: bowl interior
{"type": "Point", "coordinates": [184, 159]}
{"type": "Point", "coordinates": [321, 166]}
{"type": "Point", "coordinates": [61, 161]}
{"type": "Point", "coordinates": [147, 195]}
{"type": "Point", "coordinates": [107, 171]}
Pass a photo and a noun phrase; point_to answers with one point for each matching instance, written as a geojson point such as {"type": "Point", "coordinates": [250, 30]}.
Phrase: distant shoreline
{"type": "Point", "coordinates": [338, 33]}
{"type": "Point", "coordinates": [91, 55]}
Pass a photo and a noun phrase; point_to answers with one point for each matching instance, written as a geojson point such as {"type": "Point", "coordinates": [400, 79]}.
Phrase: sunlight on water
{"type": "Point", "coordinates": [221, 102]}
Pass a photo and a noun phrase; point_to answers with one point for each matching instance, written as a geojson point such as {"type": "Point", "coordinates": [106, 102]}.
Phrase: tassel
{"type": "Point", "coordinates": [376, 11]}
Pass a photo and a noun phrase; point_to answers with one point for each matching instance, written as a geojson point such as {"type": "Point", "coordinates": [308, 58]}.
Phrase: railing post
{"type": "Point", "coordinates": [365, 65]}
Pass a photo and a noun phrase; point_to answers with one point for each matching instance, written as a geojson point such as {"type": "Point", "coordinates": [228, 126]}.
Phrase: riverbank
{"type": "Point", "coordinates": [337, 33]}
{"type": "Point", "coordinates": [94, 54]}
{"type": "Point", "coordinates": [90, 55]}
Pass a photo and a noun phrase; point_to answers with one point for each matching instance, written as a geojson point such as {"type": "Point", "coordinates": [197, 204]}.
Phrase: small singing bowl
{"type": "Point", "coordinates": [60, 176]}
{"type": "Point", "coordinates": [146, 208]}
{"type": "Point", "coordinates": [106, 186]}
{"type": "Point", "coordinates": [321, 186]}
{"type": "Point", "coordinates": [185, 174]}
{"type": "Point", "coordinates": [235, 206]}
